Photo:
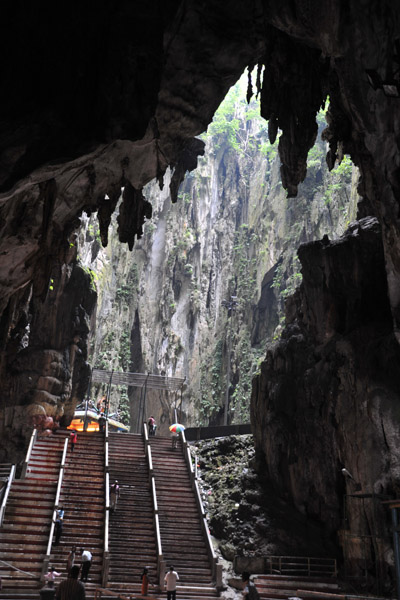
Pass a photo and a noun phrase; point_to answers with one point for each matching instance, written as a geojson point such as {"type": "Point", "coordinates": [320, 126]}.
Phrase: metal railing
{"type": "Point", "coordinates": [55, 508]}
{"type": "Point", "coordinates": [299, 565]}
{"type": "Point", "coordinates": [5, 496]}
{"type": "Point", "coordinates": [106, 553]}
{"type": "Point", "coordinates": [152, 482]}
{"type": "Point", "coordinates": [28, 453]}
{"type": "Point", "coordinates": [216, 566]}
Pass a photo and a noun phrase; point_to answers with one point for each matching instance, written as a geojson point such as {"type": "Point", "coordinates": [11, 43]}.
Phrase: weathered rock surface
{"type": "Point", "coordinates": [44, 362]}
{"type": "Point", "coordinates": [123, 91]}
{"type": "Point", "coordinates": [249, 518]}
{"type": "Point", "coordinates": [327, 396]}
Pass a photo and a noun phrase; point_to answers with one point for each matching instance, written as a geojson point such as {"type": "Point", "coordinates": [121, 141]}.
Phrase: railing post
{"type": "Point", "coordinates": [106, 553]}
{"type": "Point", "coordinates": [28, 453]}
{"type": "Point", "coordinates": [46, 560]}
{"type": "Point", "coordinates": [7, 491]}
{"type": "Point", "coordinates": [161, 572]}
{"type": "Point", "coordinates": [218, 574]}
{"type": "Point", "coordinates": [152, 484]}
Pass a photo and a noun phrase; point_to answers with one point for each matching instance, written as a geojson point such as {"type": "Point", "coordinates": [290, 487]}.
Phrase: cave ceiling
{"type": "Point", "coordinates": [106, 95]}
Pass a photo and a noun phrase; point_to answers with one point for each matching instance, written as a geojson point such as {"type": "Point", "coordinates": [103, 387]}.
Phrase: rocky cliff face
{"type": "Point", "coordinates": [327, 400]}
{"type": "Point", "coordinates": [43, 363]}
{"type": "Point", "coordinates": [167, 307]}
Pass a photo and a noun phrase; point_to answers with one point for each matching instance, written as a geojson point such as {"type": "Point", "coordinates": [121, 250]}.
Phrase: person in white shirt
{"type": "Point", "coordinates": [86, 558]}
{"type": "Point", "coordinates": [170, 580]}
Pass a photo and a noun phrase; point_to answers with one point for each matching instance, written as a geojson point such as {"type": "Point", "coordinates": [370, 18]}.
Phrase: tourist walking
{"type": "Point", "coordinates": [152, 425]}
{"type": "Point", "coordinates": [170, 580]}
{"type": "Point", "coordinates": [175, 438]}
{"type": "Point", "coordinates": [249, 591]}
{"type": "Point", "coordinates": [86, 559]}
{"type": "Point", "coordinates": [102, 422]}
{"type": "Point", "coordinates": [71, 559]}
{"type": "Point", "coordinates": [114, 495]}
{"type": "Point", "coordinates": [71, 588]}
{"type": "Point", "coordinates": [73, 439]}
{"type": "Point", "coordinates": [58, 525]}
{"type": "Point", "coordinates": [50, 576]}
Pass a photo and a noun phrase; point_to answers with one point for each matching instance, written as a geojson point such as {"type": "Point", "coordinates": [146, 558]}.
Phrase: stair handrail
{"type": "Point", "coordinates": [5, 496]}
{"type": "Point", "coordinates": [28, 453]}
{"type": "Point", "coordinates": [106, 552]}
{"type": "Point", "coordinates": [46, 561]}
{"type": "Point", "coordinates": [153, 489]}
{"type": "Point", "coordinates": [152, 482]}
{"type": "Point", "coordinates": [216, 566]}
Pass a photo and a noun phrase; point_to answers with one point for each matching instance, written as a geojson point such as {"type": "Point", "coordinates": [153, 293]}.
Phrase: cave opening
{"type": "Point", "coordinates": [235, 192]}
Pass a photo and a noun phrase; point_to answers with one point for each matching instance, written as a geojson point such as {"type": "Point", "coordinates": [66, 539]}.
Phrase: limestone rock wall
{"type": "Point", "coordinates": [162, 308]}
{"type": "Point", "coordinates": [326, 399]}
{"type": "Point", "coordinates": [43, 364]}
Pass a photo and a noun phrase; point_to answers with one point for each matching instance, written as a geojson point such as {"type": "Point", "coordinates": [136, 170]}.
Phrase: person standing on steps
{"type": "Point", "coordinates": [102, 422]}
{"type": "Point", "coordinates": [170, 580]}
{"type": "Point", "coordinates": [249, 591]}
{"type": "Point", "coordinates": [86, 558]}
{"type": "Point", "coordinates": [58, 525]}
{"type": "Point", "coordinates": [145, 582]}
{"type": "Point", "coordinates": [71, 559]}
{"type": "Point", "coordinates": [175, 438]}
{"type": "Point", "coordinates": [71, 588]}
{"type": "Point", "coordinates": [50, 576]}
{"type": "Point", "coordinates": [73, 439]}
{"type": "Point", "coordinates": [114, 495]}
{"type": "Point", "coordinates": [152, 425]}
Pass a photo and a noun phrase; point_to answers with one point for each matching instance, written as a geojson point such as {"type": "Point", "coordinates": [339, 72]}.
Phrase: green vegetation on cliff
{"type": "Point", "coordinates": [233, 233]}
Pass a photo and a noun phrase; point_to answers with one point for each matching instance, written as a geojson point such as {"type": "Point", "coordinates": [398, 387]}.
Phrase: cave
{"type": "Point", "coordinates": [112, 95]}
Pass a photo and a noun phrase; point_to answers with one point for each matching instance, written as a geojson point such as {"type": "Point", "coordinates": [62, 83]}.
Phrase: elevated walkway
{"type": "Point", "coordinates": [204, 433]}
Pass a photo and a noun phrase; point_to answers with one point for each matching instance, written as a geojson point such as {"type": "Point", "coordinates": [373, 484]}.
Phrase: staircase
{"type": "Point", "coordinates": [132, 537]}
{"type": "Point", "coordinates": [281, 587]}
{"type": "Point", "coordinates": [182, 537]}
{"type": "Point", "coordinates": [82, 497]}
{"type": "Point", "coordinates": [25, 532]}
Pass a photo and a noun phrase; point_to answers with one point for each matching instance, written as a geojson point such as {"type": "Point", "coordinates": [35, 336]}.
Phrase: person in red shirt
{"type": "Point", "coordinates": [73, 438]}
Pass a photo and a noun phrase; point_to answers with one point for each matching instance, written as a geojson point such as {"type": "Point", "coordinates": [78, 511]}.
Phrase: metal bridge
{"type": "Point", "coordinates": [150, 381]}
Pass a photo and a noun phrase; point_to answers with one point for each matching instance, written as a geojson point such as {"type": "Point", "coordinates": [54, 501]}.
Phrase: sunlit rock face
{"type": "Point", "coordinates": [327, 396]}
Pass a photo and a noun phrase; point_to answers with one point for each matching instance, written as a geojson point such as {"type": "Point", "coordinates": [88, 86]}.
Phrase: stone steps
{"type": "Point", "coordinates": [83, 500]}
{"type": "Point", "coordinates": [132, 535]}
{"type": "Point", "coordinates": [280, 587]}
{"type": "Point", "coordinates": [182, 537]}
{"type": "Point", "coordinates": [25, 532]}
